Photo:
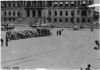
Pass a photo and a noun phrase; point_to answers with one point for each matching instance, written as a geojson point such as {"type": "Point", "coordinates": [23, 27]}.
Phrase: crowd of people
{"type": "Point", "coordinates": [16, 35]}
{"type": "Point", "coordinates": [6, 27]}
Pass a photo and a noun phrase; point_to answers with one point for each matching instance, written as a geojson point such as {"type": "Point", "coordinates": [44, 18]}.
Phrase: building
{"type": "Point", "coordinates": [57, 11]}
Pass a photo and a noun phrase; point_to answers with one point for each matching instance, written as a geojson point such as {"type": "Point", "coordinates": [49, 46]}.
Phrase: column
{"type": "Point", "coordinates": [36, 12]}
{"type": "Point", "coordinates": [36, 3]}
{"type": "Point", "coordinates": [31, 3]}
{"type": "Point", "coordinates": [25, 3]}
{"type": "Point", "coordinates": [30, 13]}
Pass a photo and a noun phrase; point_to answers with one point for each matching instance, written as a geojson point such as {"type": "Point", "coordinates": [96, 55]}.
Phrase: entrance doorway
{"type": "Point", "coordinates": [28, 13]}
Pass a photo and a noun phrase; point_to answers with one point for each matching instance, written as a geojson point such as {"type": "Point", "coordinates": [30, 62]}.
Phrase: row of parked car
{"type": "Point", "coordinates": [6, 27]}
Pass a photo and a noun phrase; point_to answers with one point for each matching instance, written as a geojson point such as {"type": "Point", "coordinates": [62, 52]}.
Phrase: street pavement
{"type": "Point", "coordinates": [71, 50]}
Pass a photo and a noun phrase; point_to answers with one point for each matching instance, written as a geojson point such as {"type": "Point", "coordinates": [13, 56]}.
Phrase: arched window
{"type": "Point", "coordinates": [49, 12]}
{"type": "Point", "coordinates": [72, 20]}
{"type": "Point", "coordinates": [66, 20]}
{"type": "Point", "coordinates": [4, 4]}
{"type": "Point", "coordinates": [66, 13]}
{"type": "Point", "coordinates": [55, 13]}
{"type": "Point", "coordinates": [60, 13]}
{"type": "Point", "coordinates": [13, 4]}
{"type": "Point", "coordinates": [88, 20]}
{"type": "Point", "coordinates": [4, 13]}
{"type": "Point", "coordinates": [89, 11]}
{"type": "Point", "coordinates": [60, 20]}
{"type": "Point", "coordinates": [83, 20]}
{"type": "Point", "coordinates": [72, 13]}
{"type": "Point", "coordinates": [77, 19]}
{"type": "Point", "coordinates": [9, 13]}
{"type": "Point", "coordinates": [9, 4]}
{"type": "Point", "coordinates": [49, 20]}
{"type": "Point", "coordinates": [13, 13]}
{"type": "Point", "coordinates": [55, 20]}
{"type": "Point", "coordinates": [9, 19]}
{"type": "Point", "coordinates": [18, 5]}
{"type": "Point", "coordinates": [18, 14]}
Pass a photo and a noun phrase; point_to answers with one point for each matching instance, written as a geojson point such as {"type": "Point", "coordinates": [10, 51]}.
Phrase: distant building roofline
{"type": "Point", "coordinates": [47, 0]}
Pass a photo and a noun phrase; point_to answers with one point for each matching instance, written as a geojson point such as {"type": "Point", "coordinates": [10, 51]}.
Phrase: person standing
{"type": "Point", "coordinates": [59, 32]}
{"type": "Point", "coordinates": [97, 44]}
{"type": "Point", "coordinates": [6, 40]}
{"type": "Point", "coordinates": [2, 42]}
{"type": "Point", "coordinates": [91, 28]}
{"type": "Point", "coordinates": [88, 67]}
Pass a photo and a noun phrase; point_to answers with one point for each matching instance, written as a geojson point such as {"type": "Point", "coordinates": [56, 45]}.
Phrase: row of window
{"type": "Point", "coordinates": [55, 20]}
{"type": "Point", "coordinates": [13, 13]}
{"type": "Point", "coordinates": [8, 19]}
{"type": "Point", "coordinates": [71, 20]}
{"type": "Point", "coordinates": [46, 3]}
{"type": "Point", "coordinates": [66, 12]}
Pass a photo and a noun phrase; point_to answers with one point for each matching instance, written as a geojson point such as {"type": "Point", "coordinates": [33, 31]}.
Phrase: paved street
{"type": "Point", "coordinates": [72, 50]}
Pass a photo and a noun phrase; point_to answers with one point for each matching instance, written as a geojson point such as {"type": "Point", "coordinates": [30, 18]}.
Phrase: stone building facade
{"type": "Point", "coordinates": [57, 11]}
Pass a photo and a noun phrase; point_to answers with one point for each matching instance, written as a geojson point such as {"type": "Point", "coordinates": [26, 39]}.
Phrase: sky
{"type": "Point", "coordinates": [97, 2]}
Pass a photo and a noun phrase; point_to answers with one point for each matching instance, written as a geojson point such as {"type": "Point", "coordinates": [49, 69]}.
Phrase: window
{"type": "Point", "coordinates": [55, 20]}
{"type": "Point", "coordinates": [78, 11]}
{"type": "Point", "coordinates": [13, 19]}
{"type": "Point", "coordinates": [5, 19]}
{"type": "Point", "coordinates": [49, 20]}
{"type": "Point", "coordinates": [4, 4]}
{"type": "Point", "coordinates": [89, 11]}
{"type": "Point", "coordinates": [72, 13]}
{"type": "Point", "coordinates": [49, 3]}
{"type": "Point", "coordinates": [66, 3]}
{"type": "Point", "coordinates": [83, 20]}
{"type": "Point", "coordinates": [55, 13]}
{"type": "Point", "coordinates": [60, 13]}
{"type": "Point", "coordinates": [28, 13]}
{"type": "Point", "coordinates": [90, 2]}
{"type": "Point", "coordinates": [72, 20]}
{"type": "Point", "coordinates": [49, 12]}
{"type": "Point", "coordinates": [9, 4]}
{"type": "Point", "coordinates": [72, 3]}
{"type": "Point", "coordinates": [28, 3]}
{"type": "Point", "coordinates": [55, 3]}
{"type": "Point", "coordinates": [88, 20]}
{"type": "Point", "coordinates": [61, 3]}
{"type": "Point", "coordinates": [5, 13]}
{"type": "Point", "coordinates": [78, 2]}
{"type": "Point", "coordinates": [39, 3]}
{"type": "Point", "coordinates": [9, 19]}
{"type": "Point", "coordinates": [83, 3]}
{"type": "Point", "coordinates": [66, 13]}
{"type": "Point", "coordinates": [9, 13]}
{"type": "Point", "coordinates": [39, 13]}
{"type": "Point", "coordinates": [66, 20]}
{"type": "Point", "coordinates": [18, 14]}
{"type": "Point", "coordinates": [60, 20]}
{"type": "Point", "coordinates": [18, 5]}
{"type": "Point", "coordinates": [33, 3]}
{"type": "Point", "coordinates": [14, 5]}
{"type": "Point", "coordinates": [13, 13]}
{"type": "Point", "coordinates": [33, 12]}
{"type": "Point", "coordinates": [78, 20]}
{"type": "Point", "coordinates": [84, 13]}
